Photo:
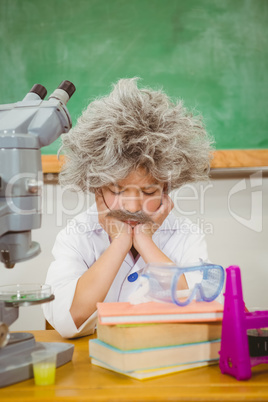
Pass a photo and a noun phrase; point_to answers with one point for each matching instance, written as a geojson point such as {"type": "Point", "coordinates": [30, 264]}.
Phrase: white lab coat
{"type": "Point", "coordinates": [82, 242]}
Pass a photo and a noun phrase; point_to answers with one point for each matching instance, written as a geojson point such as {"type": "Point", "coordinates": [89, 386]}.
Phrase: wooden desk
{"type": "Point", "coordinates": [80, 381]}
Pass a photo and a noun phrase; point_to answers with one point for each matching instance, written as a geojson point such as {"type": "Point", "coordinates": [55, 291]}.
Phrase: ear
{"type": "Point", "coordinates": [165, 188]}
{"type": "Point", "coordinates": [98, 192]}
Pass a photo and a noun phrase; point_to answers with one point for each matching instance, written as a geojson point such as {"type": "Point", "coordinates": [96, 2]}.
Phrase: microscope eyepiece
{"type": "Point", "coordinates": [68, 87]}
{"type": "Point", "coordinates": [64, 91]}
{"type": "Point", "coordinates": [40, 90]}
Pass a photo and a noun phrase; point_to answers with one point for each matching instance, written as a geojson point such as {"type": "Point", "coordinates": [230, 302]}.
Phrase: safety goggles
{"type": "Point", "coordinates": [205, 282]}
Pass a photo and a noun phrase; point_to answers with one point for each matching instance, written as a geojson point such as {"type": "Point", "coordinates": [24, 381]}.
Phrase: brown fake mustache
{"type": "Point", "coordinates": [140, 216]}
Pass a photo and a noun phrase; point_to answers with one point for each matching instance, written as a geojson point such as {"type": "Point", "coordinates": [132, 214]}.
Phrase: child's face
{"type": "Point", "coordinates": [139, 191]}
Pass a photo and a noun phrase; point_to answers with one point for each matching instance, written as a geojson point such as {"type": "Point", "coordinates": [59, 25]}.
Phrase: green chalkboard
{"type": "Point", "coordinates": [211, 53]}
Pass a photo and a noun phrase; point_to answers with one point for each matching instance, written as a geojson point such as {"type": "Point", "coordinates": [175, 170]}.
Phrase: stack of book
{"type": "Point", "coordinates": [152, 339]}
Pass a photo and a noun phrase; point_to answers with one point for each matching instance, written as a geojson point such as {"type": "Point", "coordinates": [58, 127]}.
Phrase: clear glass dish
{"type": "Point", "coordinates": [25, 294]}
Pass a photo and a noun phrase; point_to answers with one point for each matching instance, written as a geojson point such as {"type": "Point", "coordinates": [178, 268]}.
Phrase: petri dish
{"type": "Point", "coordinates": [25, 294]}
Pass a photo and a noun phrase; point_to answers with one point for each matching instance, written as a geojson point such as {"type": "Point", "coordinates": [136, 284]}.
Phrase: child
{"type": "Point", "coordinates": [130, 148]}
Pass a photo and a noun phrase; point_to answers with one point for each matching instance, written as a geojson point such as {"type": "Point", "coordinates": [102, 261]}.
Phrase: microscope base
{"type": "Point", "coordinates": [15, 357]}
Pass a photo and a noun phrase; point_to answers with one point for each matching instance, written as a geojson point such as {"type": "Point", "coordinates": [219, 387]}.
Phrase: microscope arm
{"type": "Point", "coordinates": [25, 127]}
{"type": "Point", "coordinates": [3, 217]}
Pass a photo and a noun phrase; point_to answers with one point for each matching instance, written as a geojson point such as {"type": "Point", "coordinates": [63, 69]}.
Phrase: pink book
{"type": "Point", "coordinates": [126, 313]}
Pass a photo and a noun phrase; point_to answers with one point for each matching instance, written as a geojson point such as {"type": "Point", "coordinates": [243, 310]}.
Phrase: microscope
{"type": "Point", "coordinates": [25, 127]}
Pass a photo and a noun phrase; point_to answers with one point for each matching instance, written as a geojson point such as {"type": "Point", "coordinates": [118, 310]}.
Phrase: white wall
{"type": "Point", "coordinates": [237, 234]}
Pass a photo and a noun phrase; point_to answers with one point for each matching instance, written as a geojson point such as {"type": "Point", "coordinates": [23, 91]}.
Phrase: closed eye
{"type": "Point", "coordinates": [116, 192]}
{"type": "Point", "coordinates": [147, 193]}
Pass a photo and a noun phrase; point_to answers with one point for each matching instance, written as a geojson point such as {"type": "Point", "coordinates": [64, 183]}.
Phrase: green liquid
{"type": "Point", "coordinates": [23, 297]}
{"type": "Point", "coordinates": [44, 373]}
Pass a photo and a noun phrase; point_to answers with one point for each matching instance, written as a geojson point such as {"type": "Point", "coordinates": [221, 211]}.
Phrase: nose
{"type": "Point", "coordinates": [132, 204]}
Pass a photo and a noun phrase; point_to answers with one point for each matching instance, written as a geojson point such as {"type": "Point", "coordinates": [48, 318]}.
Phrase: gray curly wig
{"type": "Point", "coordinates": [135, 128]}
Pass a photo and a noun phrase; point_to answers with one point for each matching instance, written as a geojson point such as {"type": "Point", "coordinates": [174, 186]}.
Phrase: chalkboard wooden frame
{"type": "Point", "coordinates": [229, 158]}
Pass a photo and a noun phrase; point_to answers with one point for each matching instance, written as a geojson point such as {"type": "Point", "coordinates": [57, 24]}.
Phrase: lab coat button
{"type": "Point", "coordinates": [133, 277]}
